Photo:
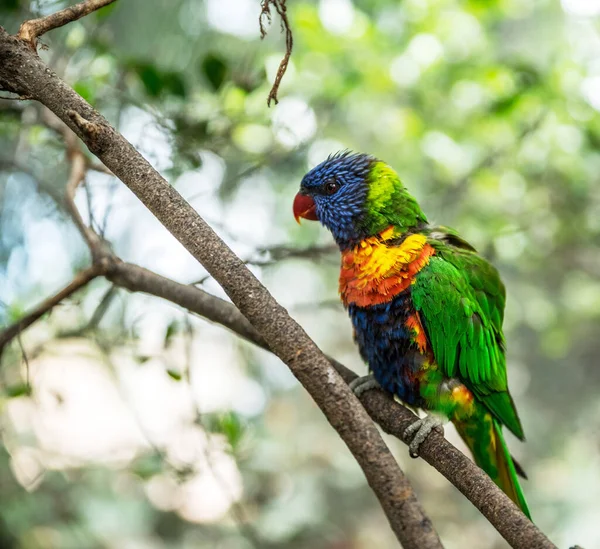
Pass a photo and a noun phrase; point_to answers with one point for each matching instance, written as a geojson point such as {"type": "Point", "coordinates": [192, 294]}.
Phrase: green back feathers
{"type": "Point", "coordinates": [460, 297]}
{"type": "Point", "coordinates": [388, 202]}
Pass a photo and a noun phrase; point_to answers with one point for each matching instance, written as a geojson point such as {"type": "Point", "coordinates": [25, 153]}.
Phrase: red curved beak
{"type": "Point", "coordinates": [304, 206]}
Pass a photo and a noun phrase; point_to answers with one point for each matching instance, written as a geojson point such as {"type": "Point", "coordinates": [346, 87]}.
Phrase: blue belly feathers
{"type": "Point", "coordinates": [386, 345]}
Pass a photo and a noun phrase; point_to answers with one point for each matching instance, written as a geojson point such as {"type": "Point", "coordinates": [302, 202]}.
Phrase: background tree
{"type": "Point", "coordinates": [117, 405]}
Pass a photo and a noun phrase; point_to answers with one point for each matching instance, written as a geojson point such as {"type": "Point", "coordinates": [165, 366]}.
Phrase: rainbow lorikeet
{"type": "Point", "coordinates": [427, 310]}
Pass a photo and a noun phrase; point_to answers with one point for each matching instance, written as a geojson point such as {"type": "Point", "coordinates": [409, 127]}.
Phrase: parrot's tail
{"type": "Point", "coordinates": [483, 435]}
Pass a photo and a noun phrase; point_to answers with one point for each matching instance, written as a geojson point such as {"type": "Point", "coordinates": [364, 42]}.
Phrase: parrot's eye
{"type": "Point", "coordinates": [331, 186]}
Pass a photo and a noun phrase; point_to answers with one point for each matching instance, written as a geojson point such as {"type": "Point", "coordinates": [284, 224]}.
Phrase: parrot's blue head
{"type": "Point", "coordinates": [356, 196]}
{"type": "Point", "coordinates": [335, 193]}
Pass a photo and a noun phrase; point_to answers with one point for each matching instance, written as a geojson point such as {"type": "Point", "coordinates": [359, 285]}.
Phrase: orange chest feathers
{"type": "Point", "coordinates": [373, 272]}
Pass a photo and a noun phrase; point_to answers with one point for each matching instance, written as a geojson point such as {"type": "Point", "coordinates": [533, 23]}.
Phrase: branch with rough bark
{"type": "Point", "coordinates": [79, 166]}
{"type": "Point", "coordinates": [261, 320]}
{"type": "Point", "coordinates": [31, 30]}
{"type": "Point", "coordinates": [393, 418]}
{"type": "Point", "coordinates": [21, 69]}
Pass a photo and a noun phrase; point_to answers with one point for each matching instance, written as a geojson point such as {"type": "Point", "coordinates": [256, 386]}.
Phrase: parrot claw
{"type": "Point", "coordinates": [363, 384]}
{"type": "Point", "coordinates": [421, 429]}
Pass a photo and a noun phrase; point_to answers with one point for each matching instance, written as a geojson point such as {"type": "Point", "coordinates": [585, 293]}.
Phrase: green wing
{"type": "Point", "coordinates": [460, 299]}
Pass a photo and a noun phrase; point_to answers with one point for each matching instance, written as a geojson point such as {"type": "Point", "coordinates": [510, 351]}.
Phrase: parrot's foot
{"type": "Point", "coordinates": [421, 429]}
{"type": "Point", "coordinates": [362, 384]}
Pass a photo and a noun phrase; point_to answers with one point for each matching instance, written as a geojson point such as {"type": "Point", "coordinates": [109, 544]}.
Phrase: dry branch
{"type": "Point", "coordinates": [137, 279]}
{"type": "Point", "coordinates": [31, 30]}
{"type": "Point", "coordinates": [79, 167]}
{"type": "Point", "coordinates": [477, 487]}
{"type": "Point", "coordinates": [80, 280]}
{"type": "Point", "coordinates": [22, 70]}
{"type": "Point", "coordinates": [265, 13]}
{"type": "Point", "coordinates": [269, 326]}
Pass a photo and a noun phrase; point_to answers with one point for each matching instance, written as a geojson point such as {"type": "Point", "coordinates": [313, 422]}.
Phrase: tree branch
{"type": "Point", "coordinates": [268, 256]}
{"type": "Point", "coordinates": [393, 418]}
{"type": "Point", "coordinates": [79, 166]}
{"type": "Point", "coordinates": [22, 70]}
{"type": "Point", "coordinates": [31, 30]}
{"type": "Point", "coordinates": [80, 280]}
{"type": "Point", "coordinates": [270, 327]}
{"type": "Point", "coordinates": [212, 308]}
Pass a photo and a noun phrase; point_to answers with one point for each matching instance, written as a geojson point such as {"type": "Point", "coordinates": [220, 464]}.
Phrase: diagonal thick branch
{"type": "Point", "coordinates": [393, 418]}
{"type": "Point", "coordinates": [268, 322]}
{"type": "Point", "coordinates": [22, 70]}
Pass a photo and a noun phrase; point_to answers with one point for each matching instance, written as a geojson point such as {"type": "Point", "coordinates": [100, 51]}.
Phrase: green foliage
{"type": "Point", "coordinates": [9, 5]}
{"type": "Point", "coordinates": [172, 329]}
{"type": "Point", "coordinates": [105, 12]}
{"type": "Point", "coordinates": [174, 374]}
{"type": "Point", "coordinates": [214, 68]}
{"type": "Point", "coordinates": [148, 465]}
{"type": "Point", "coordinates": [18, 390]}
{"type": "Point", "coordinates": [86, 90]}
{"type": "Point", "coordinates": [157, 82]}
{"type": "Point", "coordinates": [229, 424]}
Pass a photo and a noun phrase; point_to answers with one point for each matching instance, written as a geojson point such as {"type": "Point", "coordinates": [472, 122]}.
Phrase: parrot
{"type": "Point", "coordinates": [426, 309]}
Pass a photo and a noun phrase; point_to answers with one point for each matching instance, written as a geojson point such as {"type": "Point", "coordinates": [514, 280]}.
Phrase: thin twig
{"type": "Point", "coordinates": [100, 168]}
{"type": "Point", "coordinates": [200, 281]}
{"type": "Point", "coordinates": [101, 309]}
{"type": "Point", "coordinates": [281, 253]}
{"type": "Point", "coordinates": [18, 98]}
{"type": "Point", "coordinates": [31, 30]}
{"type": "Point", "coordinates": [97, 315]}
{"type": "Point", "coordinates": [26, 360]}
{"type": "Point", "coordinates": [80, 280]}
{"type": "Point", "coordinates": [265, 13]}
{"type": "Point", "coordinates": [79, 166]}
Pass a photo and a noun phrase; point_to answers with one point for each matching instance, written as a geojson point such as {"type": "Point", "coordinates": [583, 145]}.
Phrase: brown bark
{"type": "Point", "coordinates": [265, 323]}
{"type": "Point", "coordinates": [31, 30]}
{"type": "Point", "coordinates": [23, 72]}
{"type": "Point", "coordinates": [393, 418]}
